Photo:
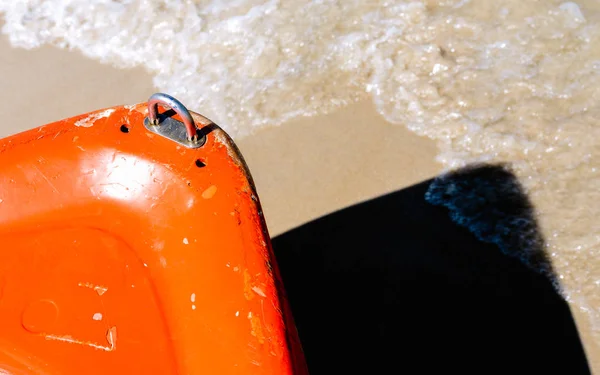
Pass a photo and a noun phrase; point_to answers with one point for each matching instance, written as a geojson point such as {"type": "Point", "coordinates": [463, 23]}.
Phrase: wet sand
{"type": "Point", "coordinates": [303, 170]}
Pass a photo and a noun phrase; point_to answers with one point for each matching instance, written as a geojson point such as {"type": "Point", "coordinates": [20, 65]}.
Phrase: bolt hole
{"type": "Point", "coordinates": [125, 128]}
{"type": "Point", "coordinates": [200, 163]}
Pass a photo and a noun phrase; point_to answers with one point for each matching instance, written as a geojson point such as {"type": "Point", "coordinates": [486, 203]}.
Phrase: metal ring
{"type": "Point", "coordinates": [169, 101]}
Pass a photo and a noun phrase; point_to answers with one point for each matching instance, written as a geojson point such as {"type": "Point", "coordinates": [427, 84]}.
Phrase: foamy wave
{"type": "Point", "coordinates": [507, 81]}
{"type": "Point", "coordinates": [245, 64]}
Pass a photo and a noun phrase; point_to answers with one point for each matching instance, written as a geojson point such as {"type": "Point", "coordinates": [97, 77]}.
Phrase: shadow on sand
{"type": "Point", "coordinates": [447, 275]}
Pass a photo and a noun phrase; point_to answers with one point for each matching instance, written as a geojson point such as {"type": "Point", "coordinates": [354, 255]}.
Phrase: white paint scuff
{"type": "Point", "coordinates": [89, 121]}
{"type": "Point", "coordinates": [111, 338]}
{"type": "Point", "coordinates": [97, 288]}
{"type": "Point", "coordinates": [258, 291]}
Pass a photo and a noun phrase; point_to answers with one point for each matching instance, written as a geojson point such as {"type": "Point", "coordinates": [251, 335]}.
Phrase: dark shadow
{"type": "Point", "coordinates": [395, 285]}
{"type": "Point", "coordinates": [202, 131]}
{"type": "Point", "coordinates": [166, 114]}
{"type": "Point", "coordinates": [206, 130]}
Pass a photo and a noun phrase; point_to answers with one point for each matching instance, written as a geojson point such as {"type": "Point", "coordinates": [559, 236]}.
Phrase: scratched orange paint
{"type": "Point", "coordinates": [122, 254]}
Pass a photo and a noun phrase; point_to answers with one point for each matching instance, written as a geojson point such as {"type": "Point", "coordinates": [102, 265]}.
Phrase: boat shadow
{"type": "Point", "coordinates": [449, 274]}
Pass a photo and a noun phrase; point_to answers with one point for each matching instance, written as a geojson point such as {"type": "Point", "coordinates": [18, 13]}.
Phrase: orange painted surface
{"type": "Point", "coordinates": [125, 253]}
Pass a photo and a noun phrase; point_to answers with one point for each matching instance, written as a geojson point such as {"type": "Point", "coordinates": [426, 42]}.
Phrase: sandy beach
{"type": "Point", "coordinates": [303, 169]}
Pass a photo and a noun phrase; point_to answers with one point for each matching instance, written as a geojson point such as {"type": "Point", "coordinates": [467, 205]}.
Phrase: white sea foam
{"type": "Point", "coordinates": [512, 81]}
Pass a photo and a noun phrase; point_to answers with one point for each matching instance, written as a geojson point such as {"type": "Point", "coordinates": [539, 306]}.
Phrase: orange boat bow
{"type": "Point", "coordinates": [123, 252]}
